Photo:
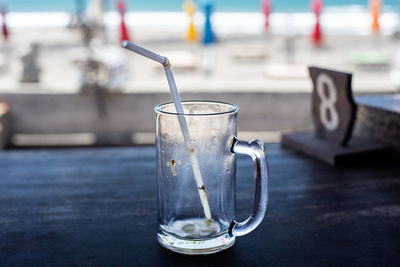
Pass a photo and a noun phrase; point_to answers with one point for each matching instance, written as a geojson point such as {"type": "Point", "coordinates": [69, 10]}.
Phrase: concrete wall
{"type": "Point", "coordinates": [125, 114]}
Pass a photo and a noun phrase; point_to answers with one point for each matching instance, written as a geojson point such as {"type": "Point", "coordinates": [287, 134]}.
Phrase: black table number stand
{"type": "Point", "coordinates": [334, 115]}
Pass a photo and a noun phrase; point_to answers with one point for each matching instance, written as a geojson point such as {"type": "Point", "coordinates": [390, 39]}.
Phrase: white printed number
{"type": "Point", "coordinates": [327, 103]}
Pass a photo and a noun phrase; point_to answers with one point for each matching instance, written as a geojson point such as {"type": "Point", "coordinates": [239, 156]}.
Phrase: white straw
{"type": "Point", "coordinates": [144, 52]}
{"type": "Point", "coordinates": [182, 121]}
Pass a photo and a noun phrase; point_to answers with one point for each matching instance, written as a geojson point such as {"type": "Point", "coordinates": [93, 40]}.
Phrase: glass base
{"type": "Point", "coordinates": [195, 246]}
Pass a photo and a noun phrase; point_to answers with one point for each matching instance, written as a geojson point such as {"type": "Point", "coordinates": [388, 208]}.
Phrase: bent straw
{"type": "Point", "coordinates": [182, 121]}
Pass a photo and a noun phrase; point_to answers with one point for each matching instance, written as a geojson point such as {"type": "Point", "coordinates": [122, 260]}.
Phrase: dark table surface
{"type": "Point", "coordinates": [97, 207]}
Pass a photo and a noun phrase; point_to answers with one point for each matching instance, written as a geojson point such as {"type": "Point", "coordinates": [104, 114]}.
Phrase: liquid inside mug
{"type": "Point", "coordinates": [182, 225]}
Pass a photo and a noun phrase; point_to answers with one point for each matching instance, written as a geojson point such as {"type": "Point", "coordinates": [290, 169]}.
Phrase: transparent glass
{"type": "Point", "coordinates": [182, 223]}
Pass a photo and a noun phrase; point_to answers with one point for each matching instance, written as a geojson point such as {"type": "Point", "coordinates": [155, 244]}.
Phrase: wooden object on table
{"type": "Point", "coordinates": [379, 118]}
{"type": "Point", "coordinates": [4, 125]}
{"type": "Point", "coordinates": [358, 149]}
{"type": "Point", "coordinates": [333, 112]}
{"type": "Point", "coordinates": [98, 206]}
{"type": "Point", "coordinates": [333, 107]}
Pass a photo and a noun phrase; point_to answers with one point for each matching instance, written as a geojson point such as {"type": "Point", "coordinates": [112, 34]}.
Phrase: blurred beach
{"type": "Point", "coordinates": [242, 57]}
{"type": "Point", "coordinates": [245, 58]}
{"type": "Point", "coordinates": [351, 20]}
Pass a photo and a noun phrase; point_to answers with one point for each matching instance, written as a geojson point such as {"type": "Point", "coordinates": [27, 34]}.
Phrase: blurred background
{"type": "Point", "coordinates": [65, 80]}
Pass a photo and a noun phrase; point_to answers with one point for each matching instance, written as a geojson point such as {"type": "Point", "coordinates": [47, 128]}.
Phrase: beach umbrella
{"type": "Point", "coordinates": [124, 35]}
{"type": "Point", "coordinates": [316, 35]}
{"type": "Point", "coordinates": [208, 34]}
{"type": "Point", "coordinates": [95, 18]}
{"type": "Point", "coordinates": [191, 34]}
{"type": "Point", "coordinates": [375, 6]}
{"type": "Point", "coordinates": [266, 9]}
{"type": "Point", "coordinates": [95, 12]}
{"type": "Point", "coordinates": [4, 29]}
{"type": "Point", "coordinates": [80, 6]}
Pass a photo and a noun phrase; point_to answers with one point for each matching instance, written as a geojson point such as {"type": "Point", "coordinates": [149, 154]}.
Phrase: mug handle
{"type": "Point", "coordinates": [255, 149]}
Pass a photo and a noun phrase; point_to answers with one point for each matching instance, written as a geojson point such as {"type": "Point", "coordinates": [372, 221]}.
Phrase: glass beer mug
{"type": "Point", "coordinates": [182, 223]}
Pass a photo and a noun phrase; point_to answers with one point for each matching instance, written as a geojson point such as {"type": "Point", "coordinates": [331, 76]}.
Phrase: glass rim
{"type": "Point", "coordinates": [158, 108]}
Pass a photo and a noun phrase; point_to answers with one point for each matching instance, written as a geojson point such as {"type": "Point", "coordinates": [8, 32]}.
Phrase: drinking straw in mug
{"type": "Point", "coordinates": [182, 120]}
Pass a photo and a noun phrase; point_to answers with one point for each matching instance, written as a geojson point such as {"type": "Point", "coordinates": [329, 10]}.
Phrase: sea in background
{"type": "Point", "coordinates": [231, 16]}
{"type": "Point", "coordinates": [176, 5]}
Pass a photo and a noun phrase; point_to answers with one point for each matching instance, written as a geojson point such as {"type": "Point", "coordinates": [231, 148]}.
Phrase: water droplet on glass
{"type": "Point", "coordinates": [213, 142]}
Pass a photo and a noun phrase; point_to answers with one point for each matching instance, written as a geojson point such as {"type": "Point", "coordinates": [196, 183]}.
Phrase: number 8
{"type": "Point", "coordinates": [327, 102]}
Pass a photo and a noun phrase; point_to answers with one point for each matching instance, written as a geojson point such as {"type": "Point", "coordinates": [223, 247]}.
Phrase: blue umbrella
{"type": "Point", "coordinates": [208, 34]}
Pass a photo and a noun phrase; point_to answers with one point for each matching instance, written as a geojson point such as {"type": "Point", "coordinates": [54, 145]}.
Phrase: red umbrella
{"type": "Point", "coordinates": [316, 35]}
{"type": "Point", "coordinates": [266, 9]}
{"type": "Point", "coordinates": [4, 28]}
{"type": "Point", "coordinates": [124, 31]}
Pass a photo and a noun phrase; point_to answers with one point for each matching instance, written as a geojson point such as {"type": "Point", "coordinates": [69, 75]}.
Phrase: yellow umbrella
{"type": "Point", "coordinates": [191, 33]}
